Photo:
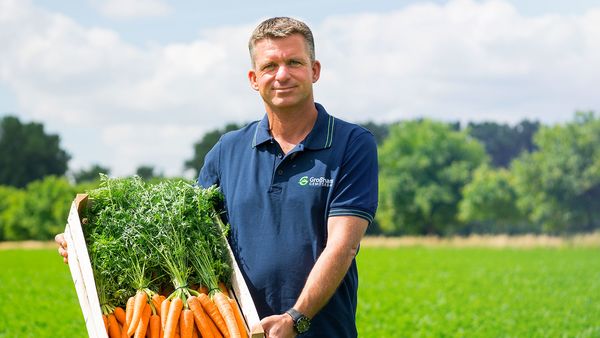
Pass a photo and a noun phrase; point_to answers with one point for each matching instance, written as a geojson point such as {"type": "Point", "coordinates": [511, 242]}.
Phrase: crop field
{"type": "Point", "coordinates": [404, 292]}
{"type": "Point", "coordinates": [479, 292]}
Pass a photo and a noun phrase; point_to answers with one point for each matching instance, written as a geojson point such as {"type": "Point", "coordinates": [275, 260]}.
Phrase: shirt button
{"type": "Point", "coordinates": [280, 155]}
{"type": "Point", "coordinates": [280, 171]}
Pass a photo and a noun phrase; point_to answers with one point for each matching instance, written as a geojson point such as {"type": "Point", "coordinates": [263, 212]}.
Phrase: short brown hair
{"type": "Point", "coordinates": [281, 27]}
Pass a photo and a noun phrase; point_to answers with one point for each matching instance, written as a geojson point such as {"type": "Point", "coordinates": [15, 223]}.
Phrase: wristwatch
{"type": "Point", "coordinates": [301, 322]}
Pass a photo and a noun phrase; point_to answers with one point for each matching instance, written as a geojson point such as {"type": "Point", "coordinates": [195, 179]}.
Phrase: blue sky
{"type": "Point", "coordinates": [137, 82]}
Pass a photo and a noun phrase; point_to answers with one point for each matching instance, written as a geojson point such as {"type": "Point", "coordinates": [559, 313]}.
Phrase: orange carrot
{"type": "Point", "coordinates": [200, 317]}
{"type": "Point", "coordinates": [213, 311]}
{"type": "Point", "coordinates": [203, 289]}
{"type": "Point", "coordinates": [226, 311]}
{"type": "Point", "coordinates": [142, 327]}
{"type": "Point", "coordinates": [129, 309]}
{"type": "Point", "coordinates": [138, 308]}
{"type": "Point", "coordinates": [128, 315]}
{"type": "Point", "coordinates": [114, 330]}
{"type": "Point", "coordinates": [120, 314]}
{"type": "Point", "coordinates": [164, 310]}
{"type": "Point", "coordinates": [223, 289]}
{"type": "Point", "coordinates": [214, 329]}
{"type": "Point", "coordinates": [238, 318]}
{"type": "Point", "coordinates": [195, 333]}
{"type": "Point", "coordinates": [156, 301]}
{"type": "Point", "coordinates": [186, 324]}
{"type": "Point", "coordinates": [154, 326]}
{"type": "Point", "coordinates": [173, 317]}
{"type": "Point", "coordinates": [105, 320]}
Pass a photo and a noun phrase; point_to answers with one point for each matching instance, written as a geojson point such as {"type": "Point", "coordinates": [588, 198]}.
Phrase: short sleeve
{"type": "Point", "coordinates": [355, 191]}
{"type": "Point", "coordinates": [209, 174]}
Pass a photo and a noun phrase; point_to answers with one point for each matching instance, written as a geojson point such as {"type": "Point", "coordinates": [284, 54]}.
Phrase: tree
{"type": "Point", "coordinates": [146, 172]}
{"type": "Point", "coordinates": [10, 197]}
{"type": "Point", "coordinates": [379, 131]}
{"type": "Point", "coordinates": [91, 174]}
{"type": "Point", "coordinates": [489, 203]}
{"type": "Point", "coordinates": [202, 147]}
{"type": "Point", "coordinates": [559, 184]}
{"type": "Point", "coordinates": [39, 211]}
{"type": "Point", "coordinates": [423, 167]}
{"type": "Point", "coordinates": [502, 142]}
{"type": "Point", "coordinates": [27, 153]}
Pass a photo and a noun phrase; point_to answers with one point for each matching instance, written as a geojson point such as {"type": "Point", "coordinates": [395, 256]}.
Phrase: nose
{"type": "Point", "coordinates": [282, 73]}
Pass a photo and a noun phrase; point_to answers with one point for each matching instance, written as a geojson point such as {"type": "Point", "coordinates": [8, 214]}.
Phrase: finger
{"type": "Point", "coordinates": [60, 239]}
{"type": "Point", "coordinates": [63, 252]}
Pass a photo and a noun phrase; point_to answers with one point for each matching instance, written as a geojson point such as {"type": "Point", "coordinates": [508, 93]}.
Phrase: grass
{"type": "Point", "coordinates": [404, 292]}
{"type": "Point", "coordinates": [37, 296]}
{"type": "Point", "coordinates": [479, 292]}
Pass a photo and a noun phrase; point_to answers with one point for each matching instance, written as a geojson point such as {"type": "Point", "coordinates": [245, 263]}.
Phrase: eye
{"type": "Point", "coordinates": [294, 63]}
{"type": "Point", "coordinates": [268, 67]}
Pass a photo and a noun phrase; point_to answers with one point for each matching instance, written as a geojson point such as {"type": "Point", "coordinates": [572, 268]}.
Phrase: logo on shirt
{"type": "Point", "coordinates": [315, 181]}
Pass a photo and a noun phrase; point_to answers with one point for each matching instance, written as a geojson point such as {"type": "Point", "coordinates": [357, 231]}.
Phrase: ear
{"type": "Point", "coordinates": [316, 71]}
{"type": "Point", "coordinates": [252, 79]}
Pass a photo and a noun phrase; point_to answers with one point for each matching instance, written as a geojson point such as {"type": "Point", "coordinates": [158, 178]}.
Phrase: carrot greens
{"type": "Point", "coordinates": [151, 245]}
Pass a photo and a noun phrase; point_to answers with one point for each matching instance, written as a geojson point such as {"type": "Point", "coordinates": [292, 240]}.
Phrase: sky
{"type": "Point", "coordinates": [126, 83]}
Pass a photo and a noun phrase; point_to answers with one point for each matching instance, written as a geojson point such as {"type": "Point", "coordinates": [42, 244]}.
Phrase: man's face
{"type": "Point", "coordinates": [283, 73]}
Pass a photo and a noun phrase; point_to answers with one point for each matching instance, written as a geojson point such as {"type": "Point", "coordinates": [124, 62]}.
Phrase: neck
{"type": "Point", "coordinates": [290, 126]}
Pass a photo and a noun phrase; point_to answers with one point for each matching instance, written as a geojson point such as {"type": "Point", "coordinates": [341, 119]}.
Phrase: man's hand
{"type": "Point", "coordinates": [62, 247]}
{"type": "Point", "coordinates": [278, 326]}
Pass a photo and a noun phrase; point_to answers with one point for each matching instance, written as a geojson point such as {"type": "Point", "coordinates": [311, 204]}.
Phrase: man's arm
{"type": "Point", "coordinates": [344, 235]}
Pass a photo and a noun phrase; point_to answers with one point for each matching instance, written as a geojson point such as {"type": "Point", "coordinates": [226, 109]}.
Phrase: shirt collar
{"type": "Point", "coordinates": [320, 137]}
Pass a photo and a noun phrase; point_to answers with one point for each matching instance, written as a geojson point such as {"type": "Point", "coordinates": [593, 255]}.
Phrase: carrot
{"type": "Point", "coordinates": [200, 317]}
{"type": "Point", "coordinates": [226, 311]}
{"type": "Point", "coordinates": [128, 315]}
{"type": "Point", "coordinates": [138, 308]}
{"type": "Point", "coordinates": [120, 314]}
{"type": "Point", "coordinates": [154, 326]}
{"type": "Point", "coordinates": [156, 301]}
{"type": "Point", "coordinates": [129, 309]}
{"type": "Point", "coordinates": [114, 331]}
{"type": "Point", "coordinates": [214, 329]}
{"type": "Point", "coordinates": [164, 310]}
{"type": "Point", "coordinates": [203, 289]}
{"type": "Point", "coordinates": [173, 317]}
{"type": "Point", "coordinates": [238, 318]}
{"type": "Point", "coordinates": [142, 327]}
{"type": "Point", "coordinates": [195, 333]}
{"type": "Point", "coordinates": [213, 311]}
{"type": "Point", "coordinates": [105, 320]}
{"type": "Point", "coordinates": [223, 289]}
{"type": "Point", "coordinates": [186, 324]}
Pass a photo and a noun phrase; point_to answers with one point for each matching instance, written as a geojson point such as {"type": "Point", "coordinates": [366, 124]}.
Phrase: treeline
{"type": "Point", "coordinates": [435, 178]}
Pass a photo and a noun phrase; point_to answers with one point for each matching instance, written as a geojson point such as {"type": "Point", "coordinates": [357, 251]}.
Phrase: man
{"type": "Point", "coordinates": [300, 189]}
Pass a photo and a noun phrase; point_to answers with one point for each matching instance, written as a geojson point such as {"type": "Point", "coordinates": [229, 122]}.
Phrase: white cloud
{"type": "Point", "coordinates": [125, 9]}
{"type": "Point", "coordinates": [122, 105]}
{"type": "Point", "coordinates": [464, 60]}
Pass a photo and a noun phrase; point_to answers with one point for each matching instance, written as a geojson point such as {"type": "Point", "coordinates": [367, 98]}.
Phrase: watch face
{"type": "Point", "coordinates": [302, 324]}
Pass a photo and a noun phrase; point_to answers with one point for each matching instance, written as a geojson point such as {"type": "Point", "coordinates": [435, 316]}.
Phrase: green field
{"type": "Point", "coordinates": [404, 292]}
{"type": "Point", "coordinates": [467, 292]}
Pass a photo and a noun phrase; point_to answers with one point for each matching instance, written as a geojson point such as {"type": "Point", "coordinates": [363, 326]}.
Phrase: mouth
{"type": "Point", "coordinates": [284, 89]}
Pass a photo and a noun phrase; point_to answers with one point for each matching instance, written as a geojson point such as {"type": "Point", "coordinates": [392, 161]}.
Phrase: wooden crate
{"type": "Point", "coordinates": [83, 278]}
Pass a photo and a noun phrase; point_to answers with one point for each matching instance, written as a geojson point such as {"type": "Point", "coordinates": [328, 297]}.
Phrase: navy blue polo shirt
{"type": "Point", "coordinates": [278, 205]}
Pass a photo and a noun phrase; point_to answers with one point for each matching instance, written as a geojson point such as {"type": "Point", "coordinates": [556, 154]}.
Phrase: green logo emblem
{"type": "Point", "coordinates": [303, 180]}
